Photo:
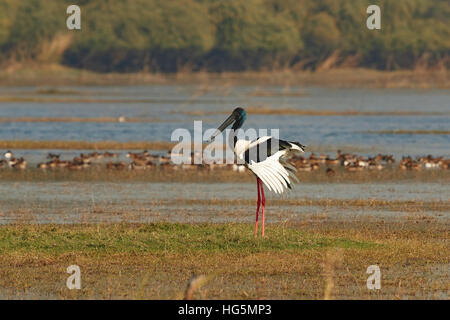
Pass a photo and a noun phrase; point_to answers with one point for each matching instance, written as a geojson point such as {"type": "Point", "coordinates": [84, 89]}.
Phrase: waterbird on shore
{"type": "Point", "coordinates": [42, 165]}
{"type": "Point", "coordinates": [352, 167]}
{"type": "Point", "coordinates": [408, 163]}
{"type": "Point", "coordinates": [78, 163]}
{"type": "Point", "coordinates": [8, 155]}
{"type": "Point", "coordinates": [110, 155]}
{"type": "Point", "coordinates": [331, 161]}
{"type": "Point", "coordinates": [265, 156]}
{"type": "Point", "coordinates": [304, 167]}
{"type": "Point", "coordinates": [116, 165]}
{"type": "Point", "coordinates": [20, 163]}
{"type": "Point", "coordinates": [330, 172]}
{"type": "Point", "coordinates": [95, 155]}
{"type": "Point", "coordinates": [143, 154]}
{"type": "Point", "coordinates": [3, 163]}
{"type": "Point", "coordinates": [53, 156]}
{"type": "Point", "coordinates": [446, 164]}
{"type": "Point", "coordinates": [141, 165]}
{"type": "Point", "coordinates": [430, 162]}
{"type": "Point", "coordinates": [374, 165]}
{"type": "Point", "coordinates": [164, 159]}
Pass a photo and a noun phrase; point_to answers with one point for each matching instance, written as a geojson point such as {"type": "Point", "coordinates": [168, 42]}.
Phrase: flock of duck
{"type": "Point", "coordinates": [352, 162]}
{"type": "Point", "coordinates": [146, 160]}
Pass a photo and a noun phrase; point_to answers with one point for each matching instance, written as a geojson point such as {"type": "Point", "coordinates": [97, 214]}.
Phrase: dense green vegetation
{"type": "Point", "coordinates": [218, 35]}
{"type": "Point", "coordinates": [158, 237]}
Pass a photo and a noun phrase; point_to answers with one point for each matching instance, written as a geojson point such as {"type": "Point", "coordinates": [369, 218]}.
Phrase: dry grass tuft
{"type": "Point", "coordinates": [194, 284]}
{"type": "Point", "coordinates": [333, 260]}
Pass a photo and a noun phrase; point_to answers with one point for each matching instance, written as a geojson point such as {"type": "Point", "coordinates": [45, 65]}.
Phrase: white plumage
{"type": "Point", "coordinates": [274, 171]}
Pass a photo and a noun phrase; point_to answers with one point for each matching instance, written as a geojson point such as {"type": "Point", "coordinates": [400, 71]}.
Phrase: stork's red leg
{"type": "Point", "coordinates": [258, 186]}
{"type": "Point", "coordinates": [263, 206]}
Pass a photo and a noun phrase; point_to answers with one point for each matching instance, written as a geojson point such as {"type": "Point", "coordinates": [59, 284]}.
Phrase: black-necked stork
{"type": "Point", "coordinates": [265, 156]}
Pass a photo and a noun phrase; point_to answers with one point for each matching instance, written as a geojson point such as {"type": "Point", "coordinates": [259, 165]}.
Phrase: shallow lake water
{"type": "Point", "coordinates": [169, 107]}
{"type": "Point", "coordinates": [77, 202]}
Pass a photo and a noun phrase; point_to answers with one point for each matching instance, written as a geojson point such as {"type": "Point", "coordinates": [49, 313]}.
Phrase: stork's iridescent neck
{"type": "Point", "coordinates": [240, 119]}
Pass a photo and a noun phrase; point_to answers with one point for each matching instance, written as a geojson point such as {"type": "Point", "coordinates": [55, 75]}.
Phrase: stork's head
{"type": "Point", "coordinates": [237, 117]}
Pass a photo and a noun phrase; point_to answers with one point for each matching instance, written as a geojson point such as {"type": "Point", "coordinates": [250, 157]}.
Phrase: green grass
{"type": "Point", "coordinates": [163, 237]}
{"type": "Point", "coordinates": [294, 261]}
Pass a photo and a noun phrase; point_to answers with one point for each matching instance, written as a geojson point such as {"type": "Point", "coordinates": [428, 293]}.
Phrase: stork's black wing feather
{"type": "Point", "coordinates": [265, 149]}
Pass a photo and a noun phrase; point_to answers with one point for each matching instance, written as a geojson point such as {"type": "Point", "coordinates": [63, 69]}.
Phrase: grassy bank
{"type": "Point", "coordinates": [86, 145]}
{"type": "Point", "coordinates": [316, 260]}
{"type": "Point", "coordinates": [76, 119]}
{"type": "Point", "coordinates": [159, 238]}
{"type": "Point", "coordinates": [137, 145]}
{"type": "Point", "coordinates": [57, 75]}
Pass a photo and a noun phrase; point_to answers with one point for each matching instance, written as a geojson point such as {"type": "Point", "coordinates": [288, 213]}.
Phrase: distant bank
{"type": "Point", "coordinates": [32, 74]}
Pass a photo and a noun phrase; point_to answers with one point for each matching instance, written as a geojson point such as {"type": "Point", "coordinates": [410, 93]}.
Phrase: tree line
{"type": "Point", "coordinates": [226, 35]}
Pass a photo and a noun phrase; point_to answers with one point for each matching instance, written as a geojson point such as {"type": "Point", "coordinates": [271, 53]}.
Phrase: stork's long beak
{"type": "Point", "coordinates": [223, 126]}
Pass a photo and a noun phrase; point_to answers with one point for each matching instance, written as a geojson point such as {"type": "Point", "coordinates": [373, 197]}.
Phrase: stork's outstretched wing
{"type": "Point", "coordinates": [275, 172]}
{"type": "Point", "coordinates": [267, 158]}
